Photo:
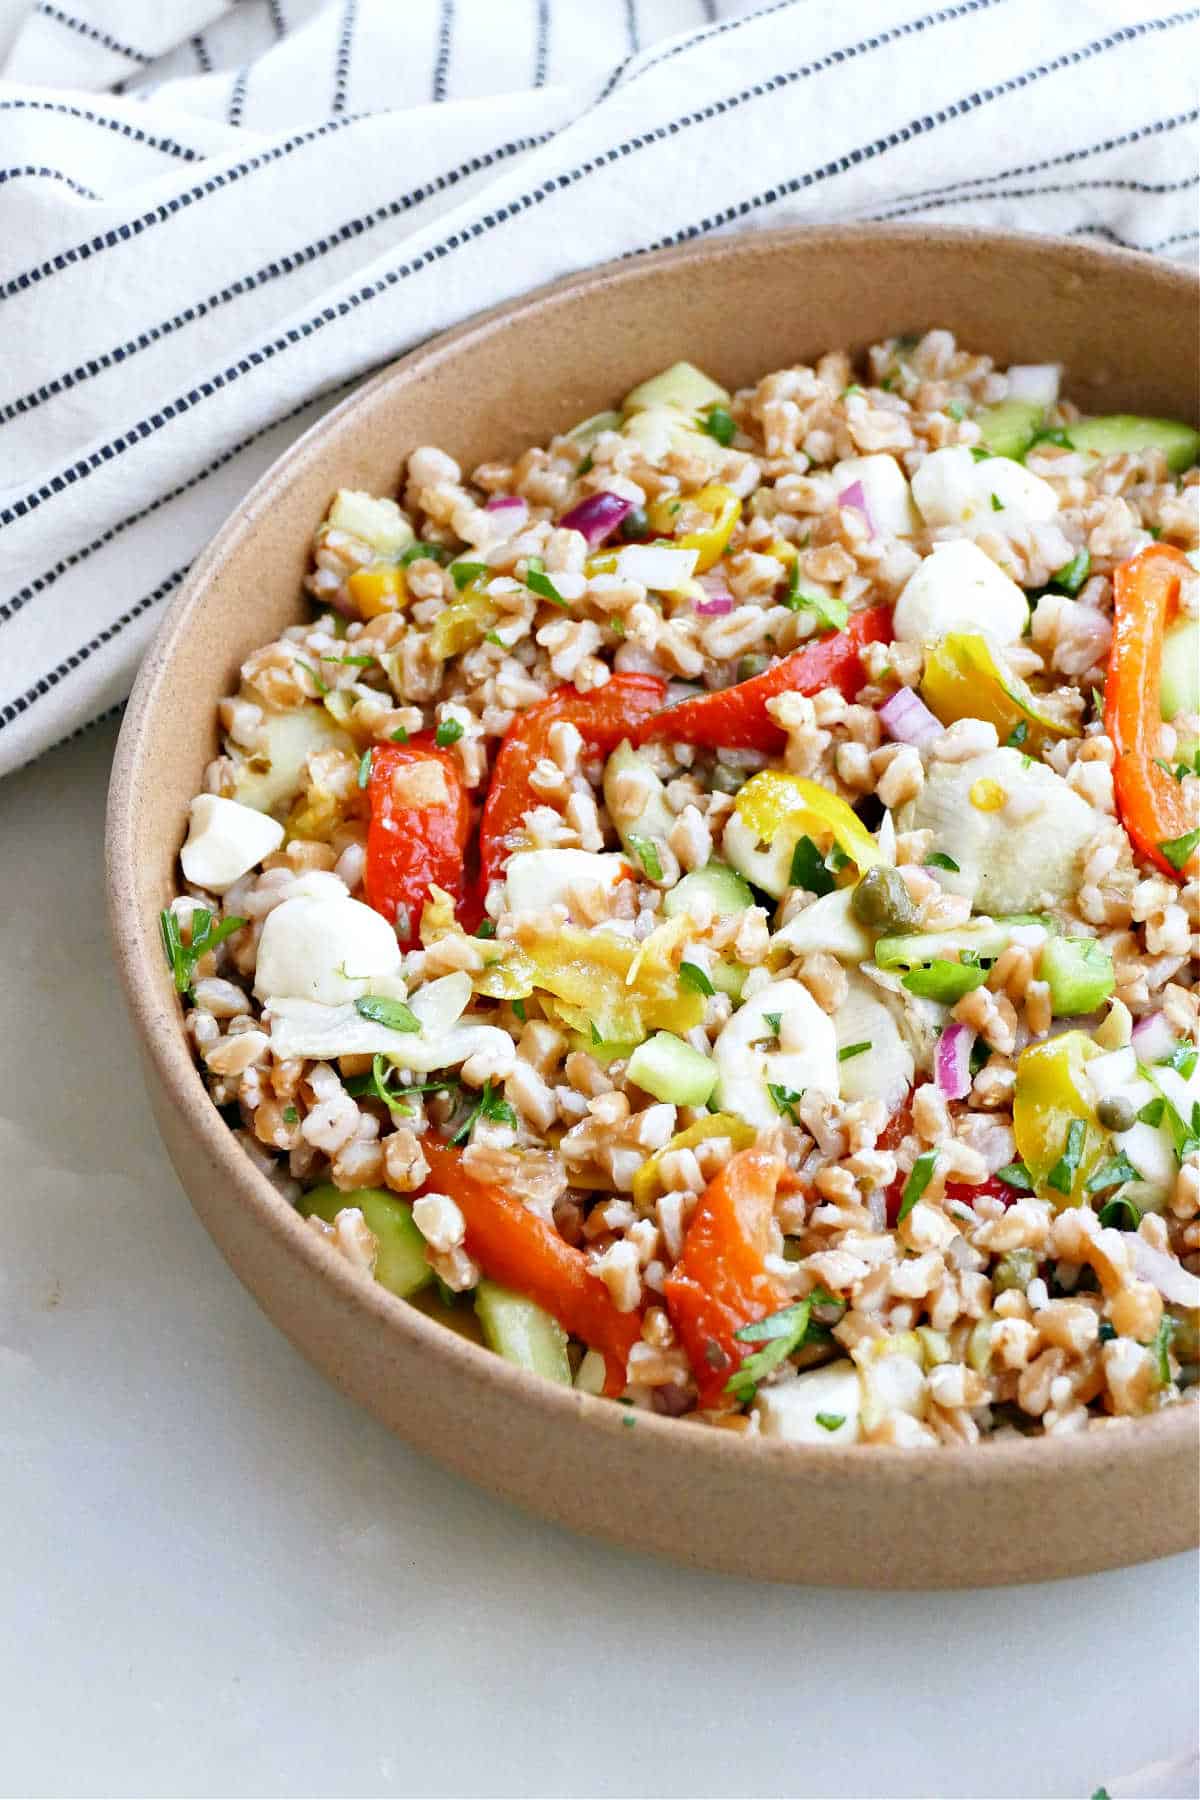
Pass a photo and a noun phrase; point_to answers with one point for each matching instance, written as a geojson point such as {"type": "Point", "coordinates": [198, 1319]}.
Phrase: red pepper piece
{"type": "Point", "coordinates": [521, 1251]}
{"type": "Point", "coordinates": [603, 718]}
{"type": "Point", "coordinates": [413, 846]}
{"type": "Point", "coordinates": [1150, 801]}
{"type": "Point", "coordinates": [736, 718]}
{"type": "Point", "coordinates": [720, 1282]}
{"type": "Point", "coordinates": [899, 1126]}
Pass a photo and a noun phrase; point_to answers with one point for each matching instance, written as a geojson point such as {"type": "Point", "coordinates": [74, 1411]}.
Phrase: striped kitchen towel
{"type": "Point", "coordinates": [215, 217]}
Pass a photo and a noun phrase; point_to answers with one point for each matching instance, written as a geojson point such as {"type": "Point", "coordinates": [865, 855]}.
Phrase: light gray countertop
{"type": "Point", "coordinates": [220, 1578]}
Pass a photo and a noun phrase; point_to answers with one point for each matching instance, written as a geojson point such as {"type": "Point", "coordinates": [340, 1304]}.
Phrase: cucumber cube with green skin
{"type": "Point", "coordinates": [1079, 972]}
{"type": "Point", "coordinates": [588, 430]}
{"type": "Point", "coordinates": [728, 978]}
{"type": "Point", "coordinates": [1121, 434]}
{"type": "Point", "coordinates": [522, 1333]}
{"type": "Point", "coordinates": [1009, 428]}
{"type": "Point", "coordinates": [671, 1070]}
{"type": "Point", "coordinates": [1180, 691]}
{"type": "Point", "coordinates": [400, 1264]}
{"type": "Point", "coordinates": [683, 386]}
{"type": "Point", "coordinates": [720, 885]}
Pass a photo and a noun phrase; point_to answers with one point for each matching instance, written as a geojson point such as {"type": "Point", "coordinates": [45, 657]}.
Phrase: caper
{"type": "Point", "coordinates": [1016, 1269]}
{"type": "Point", "coordinates": [1116, 1113]}
{"type": "Point", "coordinates": [635, 524]}
{"type": "Point", "coordinates": [882, 900]}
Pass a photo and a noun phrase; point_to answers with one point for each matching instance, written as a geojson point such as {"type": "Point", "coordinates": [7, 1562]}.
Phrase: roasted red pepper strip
{"type": "Point", "coordinates": [720, 1282]}
{"type": "Point", "coordinates": [603, 718]}
{"type": "Point", "coordinates": [736, 718]}
{"type": "Point", "coordinates": [1150, 801]}
{"type": "Point", "coordinates": [413, 843]}
{"type": "Point", "coordinates": [515, 1247]}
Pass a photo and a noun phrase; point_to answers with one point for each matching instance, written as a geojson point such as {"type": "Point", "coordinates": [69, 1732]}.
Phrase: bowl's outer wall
{"type": "Point", "coordinates": [1126, 328]}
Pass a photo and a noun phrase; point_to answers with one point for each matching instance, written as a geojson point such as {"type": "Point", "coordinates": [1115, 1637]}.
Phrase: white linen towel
{"type": "Point", "coordinates": [215, 217]}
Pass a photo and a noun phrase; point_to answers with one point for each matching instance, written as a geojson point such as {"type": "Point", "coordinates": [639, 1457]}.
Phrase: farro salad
{"type": "Point", "coordinates": [708, 906]}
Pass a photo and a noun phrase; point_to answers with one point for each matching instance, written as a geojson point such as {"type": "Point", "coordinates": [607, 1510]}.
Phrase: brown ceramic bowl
{"type": "Point", "coordinates": [1025, 1509]}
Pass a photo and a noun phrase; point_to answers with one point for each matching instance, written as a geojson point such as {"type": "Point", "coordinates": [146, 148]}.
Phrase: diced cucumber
{"type": "Point", "coordinates": [682, 386]}
{"type": "Point", "coordinates": [374, 518]}
{"type": "Point", "coordinates": [717, 883]}
{"type": "Point", "coordinates": [1009, 428]}
{"type": "Point", "coordinates": [643, 831]}
{"type": "Point", "coordinates": [522, 1333]}
{"type": "Point", "coordinates": [728, 978]}
{"type": "Point", "coordinates": [1180, 691]}
{"type": "Point", "coordinates": [588, 430]}
{"type": "Point", "coordinates": [1079, 971]}
{"type": "Point", "coordinates": [400, 1265]}
{"type": "Point", "coordinates": [1119, 434]}
{"type": "Point", "coordinates": [982, 937]}
{"type": "Point", "coordinates": [671, 1070]}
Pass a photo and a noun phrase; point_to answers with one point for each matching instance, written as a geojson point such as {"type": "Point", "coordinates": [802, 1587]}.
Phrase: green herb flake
{"type": "Point", "coordinates": [719, 424]}
{"type": "Point", "coordinates": [587, 465]}
{"type": "Point", "coordinates": [1071, 577]}
{"type": "Point", "coordinates": [1120, 1212]}
{"type": "Point", "coordinates": [956, 411]}
{"type": "Point", "coordinates": [849, 1050]}
{"type": "Point", "coordinates": [1016, 1175]}
{"type": "Point", "coordinates": [1159, 1347]}
{"type": "Point", "coordinates": [463, 573]}
{"type": "Point", "coordinates": [938, 859]}
{"type": "Point", "coordinates": [854, 388]}
{"type": "Point", "coordinates": [1152, 1112]}
{"type": "Point", "coordinates": [784, 1099]}
{"type": "Point", "coordinates": [355, 662]}
{"type": "Point", "coordinates": [493, 637]}
{"type": "Point", "coordinates": [321, 686]}
{"type": "Point", "coordinates": [979, 455]}
{"type": "Point", "coordinates": [400, 735]}
{"type": "Point", "coordinates": [831, 613]}
{"type": "Point", "coordinates": [447, 733]}
{"type": "Point", "coordinates": [392, 1014]}
{"type": "Point", "coordinates": [424, 552]}
{"type": "Point", "coordinates": [808, 869]}
{"type": "Point", "coordinates": [774, 1021]}
{"type": "Point", "coordinates": [1182, 1058]}
{"type": "Point", "coordinates": [539, 583]}
{"type": "Point", "coordinates": [518, 1007]}
{"type": "Point", "coordinates": [1052, 434]}
{"type": "Point", "coordinates": [693, 976]}
{"type": "Point", "coordinates": [1062, 1176]}
{"type": "Point", "coordinates": [204, 935]}
{"type": "Point", "coordinates": [646, 851]}
{"type": "Point", "coordinates": [1098, 703]}
{"type": "Point", "coordinates": [919, 1178]}
{"type": "Point", "coordinates": [997, 503]}
{"type": "Point", "coordinates": [364, 767]}
{"type": "Point", "coordinates": [1111, 1174]}
{"type": "Point", "coordinates": [780, 1334]}
{"type": "Point", "coordinates": [831, 1421]}
{"type": "Point", "coordinates": [290, 1116]}
{"type": "Point", "coordinates": [1178, 850]}
{"type": "Point", "coordinates": [486, 928]}
{"type": "Point", "coordinates": [1017, 735]}
{"type": "Point", "coordinates": [490, 1105]}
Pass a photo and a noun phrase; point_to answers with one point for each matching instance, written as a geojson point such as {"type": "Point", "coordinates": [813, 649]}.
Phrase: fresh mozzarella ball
{"type": "Point", "coordinates": [768, 868]}
{"type": "Point", "coordinates": [828, 924]}
{"type": "Point", "coordinates": [885, 491]}
{"type": "Point", "coordinates": [750, 1057]}
{"type": "Point", "coordinates": [330, 951]}
{"type": "Point", "coordinates": [952, 488]}
{"type": "Point", "coordinates": [225, 840]}
{"type": "Point", "coordinates": [956, 585]}
{"type": "Point", "coordinates": [535, 879]}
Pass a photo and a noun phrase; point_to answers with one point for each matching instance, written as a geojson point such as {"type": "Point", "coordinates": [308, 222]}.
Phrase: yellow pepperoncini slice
{"type": "Point", "coordinates": [380, 590]}
{"type": "Point", "coordinates": [648, 1182]}
{"type": "Point", "coordinates": [1054, 1117]}
{"type": "Point", "coordinates": [774, 803]}
{"type": "Point", "coordinates": [463, 624]}
{"type": "Point", "coordinates": [966, 677]}
{"type": "Point", "coordinates": [588, 972]}
{"type": "Point", "coordinates": [718, 503]}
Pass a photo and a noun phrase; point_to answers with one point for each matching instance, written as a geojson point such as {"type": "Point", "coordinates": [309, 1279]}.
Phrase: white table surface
{"type": "Point", "coordinates": [219, 1578]}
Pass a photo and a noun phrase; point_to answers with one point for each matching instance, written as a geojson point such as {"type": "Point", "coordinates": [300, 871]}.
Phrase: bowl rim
{"type": "Point", "coordinates": [158, 1023]}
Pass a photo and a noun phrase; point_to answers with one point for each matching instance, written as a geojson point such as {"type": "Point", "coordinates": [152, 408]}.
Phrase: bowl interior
{"type": "Point", "coordinates": [1125, 327]}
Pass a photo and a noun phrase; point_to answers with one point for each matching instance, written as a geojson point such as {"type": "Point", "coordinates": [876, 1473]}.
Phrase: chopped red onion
{"type": "Point", "coordinates": [855, 496]}
{"type": "Point", "coordinates": [597, 517]}
{"type": "Point", "coordinates": [1173, 1281]}
{"type": "Point", "coordinates": [715, 606]}
{"type": "Point", "coordinates": [952, 1066]}
{"type": "Point", "coordinates": [506, 503]}
{"type": "Point", "coordinates": [908, 720]}
{"type": "Point", "coordinates": [1153, 1038]}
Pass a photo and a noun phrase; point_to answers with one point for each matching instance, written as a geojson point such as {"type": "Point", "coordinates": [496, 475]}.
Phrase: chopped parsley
{"type": "Point", "coordinates": [849, 1050]}
{"type": "Point", "coordinates": [322, 687]}
{"type": "Point", "coordinates": [375, 1087]}
{"type": "Point", "coordinates": [1052, 434]}
{"type": "Point", "coordinates": [290, 1116]}
{"type": "Point", "coordinates": [447, 733]}
{"type": "Point", "coordinates": [205, 936]}
{"type": "Point", "coordinates": [1071, 577]}
{"type": "Point", "coordinates": [1111, 1174]}
{"type": "Point", "coordinates": [1017, 735]}
{"type": "Point", "coordinates": [431, 552]}
{"type": "Point", "coordinates": [854, 388]}
{"type": "Point", "coordinates": [919, 1178]}
{"type": "Point", "coordinates": [646, 851]}
{"type": "Point", "coordinates": [539, 583]}
{"type": "Point", "coordinates": [956, 411]}
{"type": "Point", "coordinates": [364, 767]}
{"type": "Point", "coordinates": [808, 869]}
{"type": "Point", "coordinates": [493, 637]}
{"type": "Point", "coordinates": [937, 859]}
{"type": "Point", "coordinates": [979, 455]}
{"type": "Point", "coordinates": [780, 1334]}
{"type": "Point", "coordinates": [784, 1099]}
{"type": "Point", "coordinates": [693, 976]}
{"type": "Point", "coordinates": [358, 662]}
{"type": "Point", "coordinates": [463, 573]}
{"type": "Point", "coordinates": [830, 612]}
{"type": "Point", "coordinates": [1152, 1112]}
{"type": "Point", "coordinates": [393, 1014]}
{"type": "Point", "coordinates": [831, 1421]}
{"type": "Point", "coordinates": [490, 1105]}
{"type": "Point", "coordinates": [997, 503]}
{"type": "Point", "coordinates": [400, 735]}
{"type": "Point", "coordinates": [1062, 1176]}
{"type": "Point", "coordinates": [587, 465]}
{"type": "Point", "coordinates": [518, 1007]}
{"type": "Point", "coordinates": [774, 1021]}
{"type": "Point", "coordinates": [1120, 1212]}
{"type": "Point", "coordinates": [486, 928]}
{"type": "Point", "coordinates": [719, 424]}
{"type": "Point", "coordinates": [1182, 1058]}
{"type": "Point", "coordinates": [1160, 1345]}
{"type": "Point", "coordinates": [1178, 850]}
{"type": "Point", "coordinates": [1016, 1175]}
